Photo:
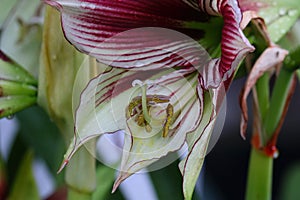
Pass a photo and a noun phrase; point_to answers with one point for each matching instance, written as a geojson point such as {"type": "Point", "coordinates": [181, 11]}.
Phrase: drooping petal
{"type": "Point", "coordinates": [269, 59]}
{"type": "Point", "coordinates": [95, 114]}
{"type": "Point", "coordinates": [87, 24]}
{"type": "Point", "coordinates": [234, 44]}
{"type": "Point", "coordinates": [190, 170]}
{"type": "Point", "coordinates": [143, 148]}
{"type": "Point", "coordinates": [198, 140]}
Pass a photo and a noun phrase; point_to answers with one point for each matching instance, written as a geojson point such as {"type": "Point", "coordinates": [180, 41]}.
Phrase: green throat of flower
{"type": "Point", "coordinates": [140, 106]}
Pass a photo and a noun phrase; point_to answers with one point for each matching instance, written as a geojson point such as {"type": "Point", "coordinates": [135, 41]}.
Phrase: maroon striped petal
{"type": "Point", "coordinates": [234, 44]}
{"type": "Point", "coordinates": [89, 23]}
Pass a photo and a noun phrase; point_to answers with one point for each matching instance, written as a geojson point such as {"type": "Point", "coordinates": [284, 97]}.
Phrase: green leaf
{"type": "Point", "coordinates": [290, 183]}
{"type": "Point", "coordinates": [292, 61]}
{"type": "Point", "coordinates": [33, 122]}
{"type": "Point", "coordinates": [280, 16]}
{"type": "Point", "coordinates": [167, 182]}
{"type": "Point", "coordinates": [24, 186]}
{"type": "Point", "coordinates": [105, 180]}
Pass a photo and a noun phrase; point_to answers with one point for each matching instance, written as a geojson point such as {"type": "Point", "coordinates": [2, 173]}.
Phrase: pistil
{"type": "Point", "coordinates": [141, 105]}
{"type": "Point", "coordinates": [147, 117]}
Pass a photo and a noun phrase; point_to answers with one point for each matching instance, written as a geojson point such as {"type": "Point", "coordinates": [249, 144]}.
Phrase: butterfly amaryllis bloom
{"type": "Point", "coordinates": [163, 90]}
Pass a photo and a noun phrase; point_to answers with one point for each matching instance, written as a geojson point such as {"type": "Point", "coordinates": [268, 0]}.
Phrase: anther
{"type": "Point", "coordinates": [168, 122]}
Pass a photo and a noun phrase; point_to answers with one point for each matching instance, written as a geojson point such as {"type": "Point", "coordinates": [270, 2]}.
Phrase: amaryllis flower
{"type": "Point", "coordinates": [169, 91]}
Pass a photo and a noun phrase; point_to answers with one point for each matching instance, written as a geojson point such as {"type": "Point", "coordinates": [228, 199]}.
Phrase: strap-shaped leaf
{"type": "Point", "coordinates": [279, 15]}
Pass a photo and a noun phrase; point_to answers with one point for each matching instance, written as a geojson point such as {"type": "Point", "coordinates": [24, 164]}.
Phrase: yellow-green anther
{"type": "Point", "coordinates": [148, 128]}
{"type": "Point", "coordinates": [140, 120]}
{"type": "Point", "coordinates": [169, 119]}
{"type": "Point", "coordinates": [157, 99]}
{"type": "Point", "coordinates": [135, 102]}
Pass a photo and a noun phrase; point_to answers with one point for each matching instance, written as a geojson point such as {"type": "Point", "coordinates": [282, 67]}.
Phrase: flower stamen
{"type": "Point", "coordinates": [141, 105]}
{"type": "Point", "coordinates": [169, 119]}
{"type": "Point", "coordinates": [134, 103]}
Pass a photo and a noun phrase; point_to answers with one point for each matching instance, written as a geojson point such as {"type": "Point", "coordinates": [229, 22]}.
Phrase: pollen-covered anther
{"type": "Point", "coordinates": [135, 110]}
{"type": "Point", "coordinates": [132, 105]}
{"type": "Point", "coordinates": [140, 120]}
{"type": "Point", "coordinates": [151, 100]}
{"type": "Point", "coordinates": [169, 120]}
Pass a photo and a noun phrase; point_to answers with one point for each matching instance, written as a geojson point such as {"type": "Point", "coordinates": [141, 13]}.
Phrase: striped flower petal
{"type": "Point", "coordinates": [111, 94]}
{"type": "Point", "coordinates": [143, 148]}
{"type": "Point", "coordinates": [234, 45]}
{"type": "Point", "coordinates": [198, 140]}
{"type": "Point", "coordinates": [87, 24]}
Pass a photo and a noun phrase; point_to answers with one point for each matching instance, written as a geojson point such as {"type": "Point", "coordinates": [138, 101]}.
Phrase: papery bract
{"type": "Point", "coordinates": [271, 58]}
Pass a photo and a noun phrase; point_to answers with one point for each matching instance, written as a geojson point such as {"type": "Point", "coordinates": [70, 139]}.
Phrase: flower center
{"type": "Point", "coordinates": [140, 108]}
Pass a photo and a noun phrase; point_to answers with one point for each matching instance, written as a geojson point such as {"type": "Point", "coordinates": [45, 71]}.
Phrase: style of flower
{"type": "Point", "coordinates": [164, 90]}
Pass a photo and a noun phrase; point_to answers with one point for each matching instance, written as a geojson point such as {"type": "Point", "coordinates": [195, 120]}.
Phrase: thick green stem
{"type": "Point", "coordinates": [259, 185]}
{"type": "Point", "coordinates": [81, 173]}
{"type": "Point", "coordinates": [263, 99]}
{"type": "Point", "coordinates": [74, 194]}
{"type": "Point", "coordinates": [263, 94]}
{"type": "Point", "coordinates": [278, 101]}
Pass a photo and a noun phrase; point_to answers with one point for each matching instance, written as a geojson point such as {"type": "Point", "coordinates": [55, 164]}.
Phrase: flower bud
{"type": "Point", "coordinates": [17, 87]}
